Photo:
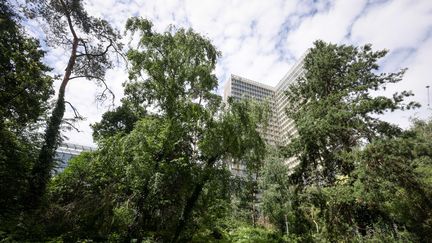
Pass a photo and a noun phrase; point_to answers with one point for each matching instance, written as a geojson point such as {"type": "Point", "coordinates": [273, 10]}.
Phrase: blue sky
{"type": "Point", "coordinates": [261, 39]}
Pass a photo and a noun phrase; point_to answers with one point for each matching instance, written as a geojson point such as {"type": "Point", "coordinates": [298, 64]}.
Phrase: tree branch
{"type": "Point", "coordinates": [102, 96]}
{"type": "Point", "coordinates": [75, 110]}
{"type": "Point", "coordinates": [88, 54]}
{"type": "Point", "coordinates": [71, 126]}
{"type": "Point", "coordinates": [69, 20]}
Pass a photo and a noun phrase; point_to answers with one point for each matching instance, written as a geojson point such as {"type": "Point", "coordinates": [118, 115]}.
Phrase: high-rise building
{"type": "Point", "coordinates": [65, 152]}
{"type": "Point", "coordinates": [280, 129]}
{"type": "Point", "coordinates": [286, 127]}
{"type": "Point", "coordinates": [241, 88]}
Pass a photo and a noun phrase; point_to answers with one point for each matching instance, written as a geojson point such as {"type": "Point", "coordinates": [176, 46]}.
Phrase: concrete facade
{"type": "Point", "coordinates": [281, 128]}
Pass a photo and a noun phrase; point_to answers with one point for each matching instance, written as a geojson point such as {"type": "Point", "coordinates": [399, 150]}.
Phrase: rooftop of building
{"type": "Point", "coordinates": [279, 84]}
{"type": "Point", "coordinates": [246, 80]}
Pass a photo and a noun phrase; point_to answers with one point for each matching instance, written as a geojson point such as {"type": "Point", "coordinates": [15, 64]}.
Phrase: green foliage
{"type": "Point", "coordinates": [244, 234]}
{"type": "Point", "coordinates": [17, 155]}
{"type": "Point", "coordinates": [233, 230]}
{"type": "Point", "coordinates": [358, 178]}
{"type": "Point", "coordinates": [178, 67]}
{"type": "Point", "coordinates": [277, 192]}
{"type": "Point", "coordinates": [243, 200]}
{"type": "Point", "coordinates": [176, 72]}
{"type": "Point", "coordinates": [166, 178]}
{"type": "Point", "coordinates": [399, 170]}
{"type": "Point", "coordinates": [334, 110]}
{"type": "Point", "coordinates": [120, 120]}
{"type": "Point", "coordinates": [25, 88]}
{"type": "Point", "coordinates": [24, 82]}
{"type": "Point", "coordinates": [160, 172]}
{"type": "Point", "coordinates": [136, 185]}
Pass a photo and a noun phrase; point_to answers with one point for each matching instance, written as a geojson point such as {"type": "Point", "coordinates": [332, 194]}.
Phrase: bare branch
{"type": "Point", "coordinates": [70, 125]}
{"type": "Point", "coordinates": [102, 96]}
{"type": "Point", "coordinates": [120, 53]}
{"type": "Point", "coordinates": [88, 54]}
{"type": "Point", "coordinates": [84, 76]}
{"type": "Point", "coordinates": [75, 111]}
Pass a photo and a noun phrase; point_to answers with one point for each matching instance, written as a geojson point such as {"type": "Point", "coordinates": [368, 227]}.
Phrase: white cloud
{"type": "Point", "coordinates": [403, 27]}
{"type": "Point", "coordinates": [332, 26]}
{"type": "Point", "coordinates": [259, 39]}
{"type": "Point", "coordinates": [395, 24]}
{"type": "Point", "coordinates": [416, 79]}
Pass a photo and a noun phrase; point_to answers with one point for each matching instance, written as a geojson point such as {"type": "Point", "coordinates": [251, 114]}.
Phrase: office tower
{"type": "Point", "coordinates": [285, 125]}
{"type": "Point", "coordinates": [241, 88]}
{"type": "Point", "coordinates": [281, 129]}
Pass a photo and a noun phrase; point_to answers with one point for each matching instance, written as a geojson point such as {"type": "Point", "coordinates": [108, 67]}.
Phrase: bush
{"type": "Point", "coordinates": [248, 234]}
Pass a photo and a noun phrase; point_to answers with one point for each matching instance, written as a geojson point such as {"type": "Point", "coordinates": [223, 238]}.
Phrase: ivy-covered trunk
{"type": "Point", "coordinates": [42, 169]}
{"type": "Point", "coordinates": [89, 52]}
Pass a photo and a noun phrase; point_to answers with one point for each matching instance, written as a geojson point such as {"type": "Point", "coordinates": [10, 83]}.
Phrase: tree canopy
{"type": "Point", "coordinates": [161, 169]}
{"type": "Point", "coordinates": [334, 110]}
{"type": "Point", "coordinates": [358, 177]}
{"type": "Point", "coordinates": [164, 175]}
{"type": "Point", "coordinates": [25, 84]}
{"type": "Point", "coordinates": [25, 87]}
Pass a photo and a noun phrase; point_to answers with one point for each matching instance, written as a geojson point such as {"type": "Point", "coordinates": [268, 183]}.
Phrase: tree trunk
{"type": "Point", "coordinates": [45, 163]}
{"type": "Point", "coordinates": [192, 200]}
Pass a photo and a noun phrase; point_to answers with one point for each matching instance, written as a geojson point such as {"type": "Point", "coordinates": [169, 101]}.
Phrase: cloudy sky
{"type": "Point", "coordinates": [261, 39]}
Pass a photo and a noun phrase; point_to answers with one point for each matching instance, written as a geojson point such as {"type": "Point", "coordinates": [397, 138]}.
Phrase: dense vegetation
{"type": "Point", "coordinates": [25, 88]}
{"type": "Point", "coordinates": [160, 173]}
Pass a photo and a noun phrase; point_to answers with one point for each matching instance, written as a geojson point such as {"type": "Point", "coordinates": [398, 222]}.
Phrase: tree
{"type": "Point", "coordinates": [333, 109]}
{"type": "Point", "coordinates": [120, 120]}
{"type": "Point", "coordinates": [24, 81]}
{"type": "Point", "coordinates": [90, 41]}
{"type": "Point", "coordinates": [25, 87]}
{"type": "Point", "coordinates": [178, 65]}
{"type": "Point", "coordinates": [387, 196]}
{"type": "Point", "coordinates": [159, 180]}
{"type": "Point", "coordinates": [396, 173]}
{"type": "Point", "coordinates": [277, 192]}
{"type": "Point", "coordinates": [351, 163]}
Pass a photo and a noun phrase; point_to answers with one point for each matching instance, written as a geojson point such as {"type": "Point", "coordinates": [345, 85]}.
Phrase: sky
{"type": "Point", "coordinates": [262, 39]}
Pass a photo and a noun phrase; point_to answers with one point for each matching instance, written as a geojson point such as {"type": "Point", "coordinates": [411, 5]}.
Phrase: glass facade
{"type": "Point", "coordinates": [66, 152]}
